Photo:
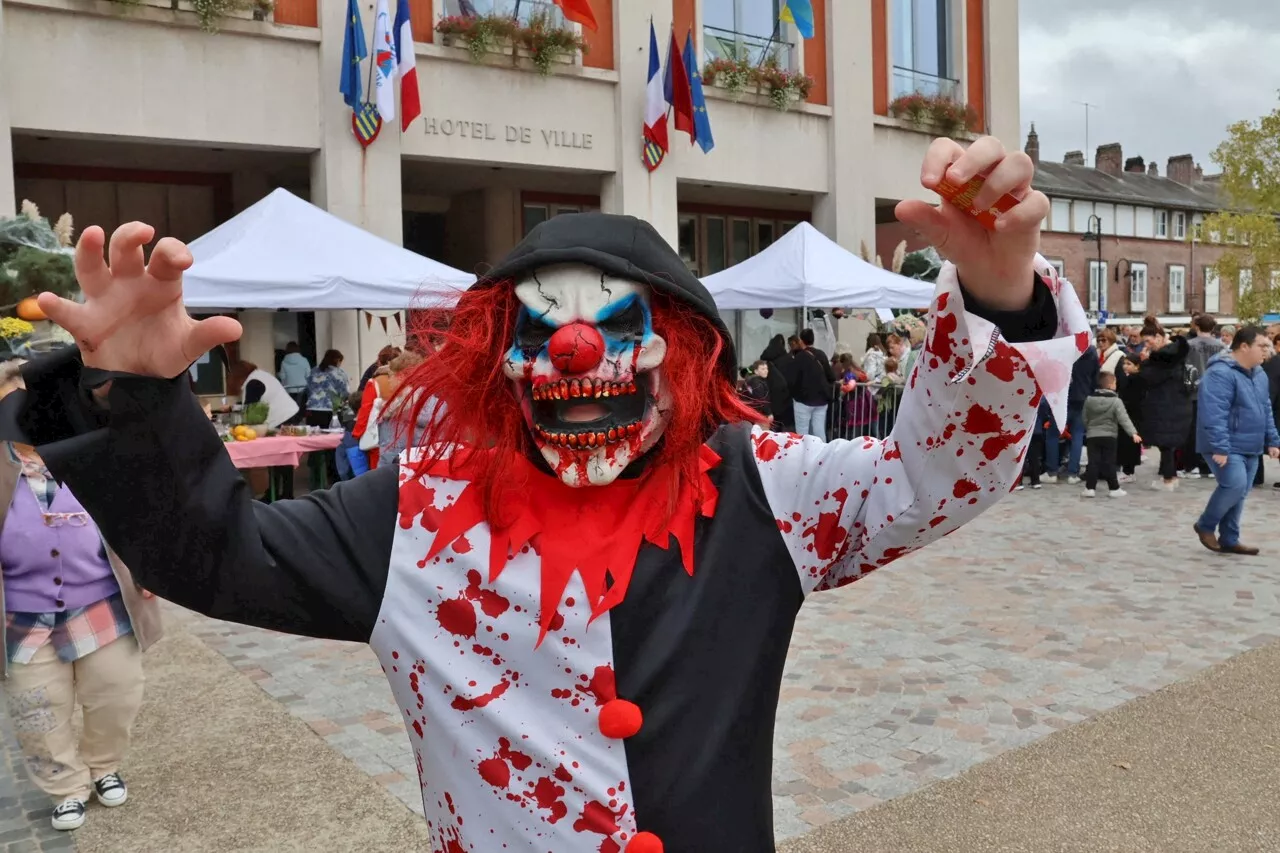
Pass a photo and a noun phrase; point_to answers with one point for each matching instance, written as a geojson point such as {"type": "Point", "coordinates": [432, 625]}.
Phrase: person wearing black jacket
{"type": "Point", "coordinates": [782, 370]}
{"type": "Point", "coordinates": [1131, 391]}
{"type": "Point", "coordinates": [812, 389]}
{"type": "Point", "coordinates": [1166, 407]}
{"type": "Point", "coordinates": [1271, 367]}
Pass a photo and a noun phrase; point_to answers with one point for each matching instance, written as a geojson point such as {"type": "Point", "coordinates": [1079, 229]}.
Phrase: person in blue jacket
{"type": "Point", "coordinates": [1235, 428]}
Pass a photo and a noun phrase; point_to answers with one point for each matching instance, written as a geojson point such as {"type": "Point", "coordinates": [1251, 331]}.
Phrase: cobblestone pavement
{"type": "Point", "coordinates": [24, 808]}
{"type": "Point", "coordinates": [1044, 612]}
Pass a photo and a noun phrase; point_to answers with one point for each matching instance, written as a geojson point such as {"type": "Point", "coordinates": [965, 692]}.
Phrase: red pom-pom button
{"type": "Point", "coordinates": [620, 719]}
{"type": "Point", "coordinates": [644, 842]}
{"type": "Point", "coordinates": [576, 348]}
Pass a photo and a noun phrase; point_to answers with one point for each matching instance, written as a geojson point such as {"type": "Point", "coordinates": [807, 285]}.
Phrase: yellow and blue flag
{"type": "Point", "coordinates": [800, 14]}
{"type": "Point", "coordinates": [701, 120]}
{"type": "Point", "coordinates": [353, 53]}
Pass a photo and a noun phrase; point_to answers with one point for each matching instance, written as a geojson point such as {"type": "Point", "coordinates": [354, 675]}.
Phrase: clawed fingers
{"type": "Point", "coordinates": [1011, 175]}
{"type": "Point", "coordinates": [67, 314]}
{"type": "Point", "coordinates": [1029, 213]}
{"type": "Point", "coordinates": [126, 255]}
{"type": "Point", "coordinates": [976, 160]}
{"type": "Point", "coordinates": [941, 154]}
{"type": "Point", "coordinates": [210, 333]}
{"type": "Point", "coordinates": [169, 260]}
{"type": "Point", "coordinates": [91, 268]}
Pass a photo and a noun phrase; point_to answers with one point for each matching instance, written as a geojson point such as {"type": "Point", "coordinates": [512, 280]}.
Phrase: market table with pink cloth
{"type": "Point", "coordinates": [279, 450]}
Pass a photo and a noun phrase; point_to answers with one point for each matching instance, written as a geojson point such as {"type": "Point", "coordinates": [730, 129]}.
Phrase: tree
{"type": "Point", "coordinates": [1248, 226]}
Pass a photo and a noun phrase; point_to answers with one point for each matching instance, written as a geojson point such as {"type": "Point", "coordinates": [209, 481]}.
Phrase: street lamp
{"type": "Point", "coordinates": [1095, 234]}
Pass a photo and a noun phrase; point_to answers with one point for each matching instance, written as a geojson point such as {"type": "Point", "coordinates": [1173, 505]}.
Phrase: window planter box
{"type": "Point", "coordinates": [935, 114]}
{"type": "Point", "coordinates": [764, 84]}
{"type": "Point", "coordinates": [210, 12]}
{"type": "Point", "coordinates": [537, 44]}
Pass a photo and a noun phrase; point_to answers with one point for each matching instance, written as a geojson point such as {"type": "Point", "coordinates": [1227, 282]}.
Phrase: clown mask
{"type": "Point", "coordinates": [586, 367]}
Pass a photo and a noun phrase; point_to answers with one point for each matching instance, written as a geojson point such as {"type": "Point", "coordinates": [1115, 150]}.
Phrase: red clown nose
{"type": "Point", "coordinates": [576, 348]}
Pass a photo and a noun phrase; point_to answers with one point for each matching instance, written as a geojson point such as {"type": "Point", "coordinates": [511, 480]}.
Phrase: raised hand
{"type": "Point", "coordinates": [995, 266]}
{"type": "Point", "coordinates": [132, 319]}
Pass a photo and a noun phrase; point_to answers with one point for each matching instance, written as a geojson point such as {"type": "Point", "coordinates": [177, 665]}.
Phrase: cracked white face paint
{"type": "Point", "coordinates": [586, 367]}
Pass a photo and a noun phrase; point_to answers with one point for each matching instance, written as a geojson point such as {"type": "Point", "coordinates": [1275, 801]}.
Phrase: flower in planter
{"type": "Point", "coordinates": [782, 87]}
{"type": "Point", "coordinates": [547, 42]}
{"type": "Point", "coordinates": [937, 112]}
{"type": "Point", "coordinates": [732, 75]}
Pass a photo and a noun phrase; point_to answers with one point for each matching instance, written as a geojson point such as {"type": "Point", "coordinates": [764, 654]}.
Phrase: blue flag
{"type": "Point", "coordinates": [353, 51]}
{"type": "Point", "coordinates": [701, 120]}
{"type": "Point", "coordinates": [800, 13]}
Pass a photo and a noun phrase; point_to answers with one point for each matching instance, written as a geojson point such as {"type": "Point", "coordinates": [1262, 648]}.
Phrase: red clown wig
{"type": "Point", "coordinates": [465, 373]}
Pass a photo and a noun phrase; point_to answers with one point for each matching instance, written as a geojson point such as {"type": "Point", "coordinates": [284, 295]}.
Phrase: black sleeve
{"type": "Point", "coordinates": [153, 474]}
{"type": "Point", "coordinates": [253, 391]}
{"type": "Point", "coordinates": [1037, 322]}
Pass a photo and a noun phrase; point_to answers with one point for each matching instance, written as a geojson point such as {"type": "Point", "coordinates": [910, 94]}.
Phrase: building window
{"type": "Point", "coordinates": [746, 30]}
{"type": "Point", "coordinates": [1124, 220]}
{"type": "Point", "coordinates": [716, 244]}
{"type": "Point", "coordinates": [1231, 235]}
{"type": "Point", "coordinates": [1144, 224]}
{"type": "Point", "coordinates": [1246, 282]}
{"type": "Point", "coordinates": [1097, 282]}
{"type": "Point", "coordinates": [1177, 289]}
{"type": "Point", "coordinates": [922, 50]}
{"type": "Point", "coordinates": [764, 235]}
{"type": "Point", "coordinates": [1162, 224]}
{"type": "Point", "coordinates": [1212, 294]}
{"type": "Point", "coordinates": [688, 241]}
{"type": "Point", "coordinates": [536, 213]}
{"type": "Point", "coordinates": [1179, 225]}
{"type": "Point", "coordinates": [524, 9]}
{"type": "Point", "coordinates": [1080, 213]}
{"type": "Point", "coordinates": [1060, 215]}
{"type": "Point", "coordinates": [1137, 287]}
{"type": "Point", "coordinates": [740, 241]}
{"type": "Point", "coordinates": [1058, 265]}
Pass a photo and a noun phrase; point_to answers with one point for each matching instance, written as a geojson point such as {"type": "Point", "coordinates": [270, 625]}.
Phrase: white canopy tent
{"type": "Point", "coordinates": [806, 269]}
{"type": "Point", "coordinates": [285, 253]}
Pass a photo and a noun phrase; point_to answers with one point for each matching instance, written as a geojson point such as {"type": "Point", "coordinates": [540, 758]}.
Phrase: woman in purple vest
{"type": "Point", "coordinates": [75, 626]}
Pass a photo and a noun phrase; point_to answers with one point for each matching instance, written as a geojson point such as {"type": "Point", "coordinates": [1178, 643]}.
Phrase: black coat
{"type": "Point", "coordinates": [1084, 378]}
{"type": "Point", "coordinates": [1166, 405]}
{"type": "Point", "coordinates": [1272, 368]}
{"type": "Point", "coordinates": [782, 372]}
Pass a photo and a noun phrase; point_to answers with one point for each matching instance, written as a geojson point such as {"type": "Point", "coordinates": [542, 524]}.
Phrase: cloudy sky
{"type": "Point", "coordinates": [1166, 76]}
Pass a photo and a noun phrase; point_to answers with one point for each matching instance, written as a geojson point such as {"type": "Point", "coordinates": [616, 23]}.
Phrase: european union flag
{"type": "Point", "coordinates": [701, 119]}
{"type": "Point", "coordinates": [353, 52]}
{"type": "Point", "coordinates": [800, 13]}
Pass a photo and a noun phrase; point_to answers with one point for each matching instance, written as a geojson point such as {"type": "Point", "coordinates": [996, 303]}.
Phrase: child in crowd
{"type": "Point", "coordinates": [1104, 417]}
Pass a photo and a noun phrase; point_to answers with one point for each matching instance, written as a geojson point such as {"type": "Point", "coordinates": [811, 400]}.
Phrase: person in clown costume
{"type": "Point", "coordinates": [582, 585]}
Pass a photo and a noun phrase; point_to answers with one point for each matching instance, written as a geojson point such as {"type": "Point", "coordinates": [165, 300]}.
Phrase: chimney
{"type": "Point", "coordinates": [1135, 164]}
{"type": "Point", "coordinates": [1199, 173]}
{"type": "Point", "coordinates": [1074, 158]}
{"type": "Point", "coordinates": [1032, 148]}
{"type": "Point", "coordinates": [1109, 158]}
{"type": "Point", "coordinates": [1181, 169]}
{"type": "Point", "coordinates": [1153, 170]}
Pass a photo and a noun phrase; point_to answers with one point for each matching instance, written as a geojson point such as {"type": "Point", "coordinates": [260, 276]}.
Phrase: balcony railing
{"type": "Point", "coordinates": [522, 10]}
{"type": "Point", "coordinates": [745, 47]}
{"type": "Point", "coordinates": [907, 81]}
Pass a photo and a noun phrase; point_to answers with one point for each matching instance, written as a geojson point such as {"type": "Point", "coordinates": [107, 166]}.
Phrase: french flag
{"type": "Point", "coordinates": [656, 144]}
{"type": "Point", "coordinates": [406, 66]}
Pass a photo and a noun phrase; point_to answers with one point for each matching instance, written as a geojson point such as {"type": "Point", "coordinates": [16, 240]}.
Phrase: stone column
{"type": "Point", "coordinates": [632, 189]}
{"type": "Point", "coordinates": [1001, 35]}
{"type": "Point", "coordinates": [359, 185]}
{"type": "Point", "coordinates": [846, 213]}
{"type": "Point", "coordinates": [8, 202]}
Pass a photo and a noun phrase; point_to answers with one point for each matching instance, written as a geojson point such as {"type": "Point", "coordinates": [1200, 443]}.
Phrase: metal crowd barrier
{"type": "Point", "coordinates": [866, 409]}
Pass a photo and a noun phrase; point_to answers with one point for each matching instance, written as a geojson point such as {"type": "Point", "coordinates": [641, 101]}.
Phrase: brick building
{"type": "Point", "coordinates": [1154, 257]}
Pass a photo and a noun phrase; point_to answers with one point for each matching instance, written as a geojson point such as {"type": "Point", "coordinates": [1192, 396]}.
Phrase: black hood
{"type": "Point", "coordinates": [777, 348]}
{"type": "Point", "coordinates": [622, 246]}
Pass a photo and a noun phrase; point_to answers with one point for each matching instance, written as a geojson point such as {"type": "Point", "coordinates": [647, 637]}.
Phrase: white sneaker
{"type": "Point", "coordinates": [1180, 474]}
{"type": "Point", "coordinates": [1072, 480]}
{"type": "Point", "coordinates": [1162, 486]}
{"type": "Point", "coordinates": [68, 815]}
{"type": "Point", "coordinates": [1037, 485]}
{"type": "Point", "coordinates": [111, 790]}
{"type": "Point", "coordinates": [1117, 493]}
{"type": "Point", "coordinates": [1050, 479]}
{"type": "Point", "coordinates": [1193, 475]}
{"type": "Point", "coordinates": [1127, 478]}
{"type": "Point", "coordinates": [1089, 493]}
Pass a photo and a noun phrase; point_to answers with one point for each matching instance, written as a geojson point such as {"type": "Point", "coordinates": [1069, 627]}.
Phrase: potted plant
{"type": "Point", "coordinates": [783, 88]}
{"type": "Point", "coordinates": [934, 112]}
{"type": "Point", "coordinates": [479, 34]}
{"type": "Point", "coordinates": [732, 75]}
{"type": "Point", "coordinates": [549, 44]}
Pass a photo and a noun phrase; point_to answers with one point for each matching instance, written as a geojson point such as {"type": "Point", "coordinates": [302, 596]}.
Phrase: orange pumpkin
{"type": "Point", "coordinates": [29, 310]}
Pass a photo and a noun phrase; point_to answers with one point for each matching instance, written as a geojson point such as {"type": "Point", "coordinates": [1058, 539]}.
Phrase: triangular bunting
{"type": "Point", "coordinates": [368, 320]}
{"type": "Point", "coordinates": [383, 320]}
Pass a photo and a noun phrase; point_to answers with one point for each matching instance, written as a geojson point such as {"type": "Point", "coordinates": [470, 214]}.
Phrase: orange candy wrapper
{"type": "Point", "coordinates": [962, 199]}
